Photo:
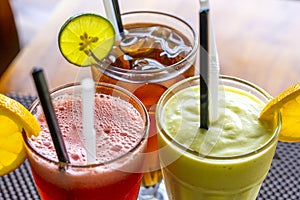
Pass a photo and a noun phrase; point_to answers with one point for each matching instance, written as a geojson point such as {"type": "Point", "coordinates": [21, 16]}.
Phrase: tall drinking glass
{"type": "Point", "coordinates": [121, 126]}
{"type": "Point", "coordinates": [156, 51]}
{"type": "Point", "coordinates": [228, 161]}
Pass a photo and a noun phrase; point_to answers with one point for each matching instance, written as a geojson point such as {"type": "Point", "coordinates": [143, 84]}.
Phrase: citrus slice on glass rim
{"type": "Point", "coordinates": [14, 118]}
{"type": "Point", "coordinates": [86, 39]}
{"type": "Point", "coordinates": [288, 103]}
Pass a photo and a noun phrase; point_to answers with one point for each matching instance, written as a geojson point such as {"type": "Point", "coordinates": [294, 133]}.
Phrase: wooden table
{"type": "Point", "coordinates": [257, 41]}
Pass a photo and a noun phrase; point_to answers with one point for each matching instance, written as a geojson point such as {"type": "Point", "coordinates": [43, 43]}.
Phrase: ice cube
{"type": "Point", "coordinates": [137, 46]}
{"type": "Point", "coordinates": [161, 32]}
{"type": "Point", "coordinates": [118, 59]}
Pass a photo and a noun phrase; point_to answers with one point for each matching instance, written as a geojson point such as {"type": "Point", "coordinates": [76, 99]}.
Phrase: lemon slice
{"type": "Point", "coordinates": [85, 39]}
{"type": "Point", "coordinates": [288, 103]}
{"type": "Point", "coordinates": [14, 117]}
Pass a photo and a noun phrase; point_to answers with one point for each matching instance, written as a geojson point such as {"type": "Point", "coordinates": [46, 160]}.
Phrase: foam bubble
{"type": "Point", "coordinates": [118, 126]}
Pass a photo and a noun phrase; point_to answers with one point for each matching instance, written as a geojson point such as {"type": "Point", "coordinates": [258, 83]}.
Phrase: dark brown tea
{"type": "Point", "coordinates": [148, 60]}
{"type": "Point", "coordinates": [149, 47]}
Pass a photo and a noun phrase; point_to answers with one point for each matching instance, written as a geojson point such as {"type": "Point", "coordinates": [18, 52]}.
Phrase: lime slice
{"type": "Point", "coordinates": [86, 39]}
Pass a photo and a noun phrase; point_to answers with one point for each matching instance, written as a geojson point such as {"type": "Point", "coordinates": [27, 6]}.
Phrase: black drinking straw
{"type": "Point", "coordinates": [118, 16]}
{"type": "Point", "coordinates": [204, 68]}
{"type": "Point", "coordinates": [45, 99]}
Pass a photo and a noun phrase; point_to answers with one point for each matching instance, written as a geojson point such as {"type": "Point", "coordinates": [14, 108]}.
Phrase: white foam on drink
{"type": "Point", "coordinates": [119, 127]}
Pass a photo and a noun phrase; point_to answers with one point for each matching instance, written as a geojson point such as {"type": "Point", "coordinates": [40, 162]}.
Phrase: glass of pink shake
{"type": "Point", "coordinates": [121, 126]}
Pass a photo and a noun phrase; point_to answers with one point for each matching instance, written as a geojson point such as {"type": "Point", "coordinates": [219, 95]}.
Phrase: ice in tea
{"type": "Point", "coordinates": [148, 60]}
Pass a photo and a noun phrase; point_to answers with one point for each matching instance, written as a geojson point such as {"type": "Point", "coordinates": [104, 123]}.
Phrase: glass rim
{"type": "Point", "coordinates": [97, 164]}
{"type": "Point", "coordinates": [196, 154]}
{"type": "Point", "coordinates": [166, 68]}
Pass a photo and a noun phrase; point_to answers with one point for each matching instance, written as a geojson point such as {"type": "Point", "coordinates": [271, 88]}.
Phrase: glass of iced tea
{"type": "Point", "coordinates": [156, 51]}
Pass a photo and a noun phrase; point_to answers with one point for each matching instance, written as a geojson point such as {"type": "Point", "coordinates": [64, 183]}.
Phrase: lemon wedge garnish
{"type": "Point", "coordinates": [288, 104]}
{"type": "Point", "coordinates": [14, 118]}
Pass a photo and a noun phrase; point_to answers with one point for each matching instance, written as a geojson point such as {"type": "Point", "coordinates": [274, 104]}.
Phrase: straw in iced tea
{"type": "Point", "coordinates": [148, 60]}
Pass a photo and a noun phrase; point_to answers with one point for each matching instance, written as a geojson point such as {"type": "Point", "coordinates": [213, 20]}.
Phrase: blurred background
{"type": "Point", "coordinates": [25, 18]}
{"type": "Point", "coordinates": [20, 20]}
{"type": "Point", "coordinates": [258, 40]}
{"type": "Point", "coordinates": [30, 16]}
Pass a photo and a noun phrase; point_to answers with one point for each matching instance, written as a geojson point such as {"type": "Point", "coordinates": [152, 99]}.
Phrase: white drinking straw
{"type": "Point", "coordinates": [113, 17]}
{"type": "Point", "coordinates": [88, 92]}
{"type": "Point", "coordinates": [214, 72]}
{"type": "Point", "coordinates": [214, 69]}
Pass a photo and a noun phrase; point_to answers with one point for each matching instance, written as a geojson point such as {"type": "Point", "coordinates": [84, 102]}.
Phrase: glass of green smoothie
{"type": "Point", "coordinates": [228, 161]}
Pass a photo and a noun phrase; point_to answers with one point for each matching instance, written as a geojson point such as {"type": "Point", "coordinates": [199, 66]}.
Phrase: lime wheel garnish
{"type": "Point", "coordinates": [86, 39]}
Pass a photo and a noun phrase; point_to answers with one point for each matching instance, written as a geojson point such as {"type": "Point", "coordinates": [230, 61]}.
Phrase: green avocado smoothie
{"type": "Point", "coordinates": [228, 161]}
